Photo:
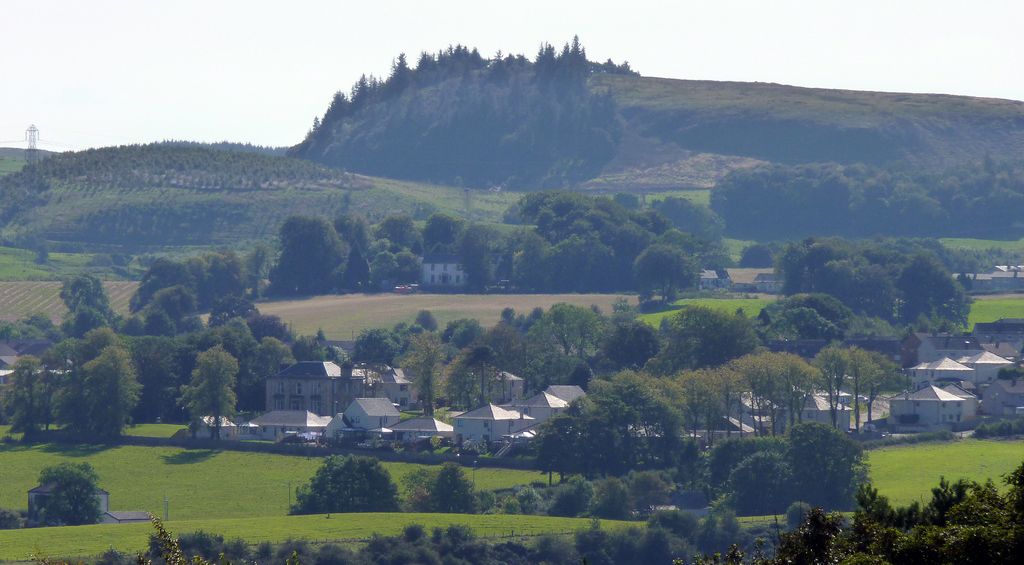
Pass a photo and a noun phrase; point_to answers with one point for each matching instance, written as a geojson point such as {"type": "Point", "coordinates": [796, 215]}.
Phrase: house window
{"type": "Point", "coordinates": [433, 266]}
{"type": "Point", "coordinates": [432, 279]}
{"type": "Point", "coordinates": [458, 279]}
{"type": "Point", "coordinates": [296, 404]}
{"type": "Point", "coordinates": [280, 387]}
{"type": "Point", "coordinates": [403, 388]}
{"type": "Point", "coordinates": [314, 405]}
{"type": "Point", "coordinates": [298, 388]}
{"type": "Point", "coordinates": [316, 388]}
{"type": "Point", "coordinates": [278, 404]}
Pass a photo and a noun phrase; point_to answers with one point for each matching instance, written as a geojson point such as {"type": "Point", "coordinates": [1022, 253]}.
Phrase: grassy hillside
{"type": "Point", "coordinates": [343, 317]}
{"type": "Point", "coordinates": [705, 120]}
{"type": "Point", "coordinates": [76, 541]}
{"type": "Point", "coordinates": [157, 197]}
{"type": "Point", "coordinates": [10, 165]}
{"type": "Point", "coordinates": [22, 299]}
{"type": "Point", "coordinates": [907, 473]}
{"type": "Point", "coordinates": [200, 484]}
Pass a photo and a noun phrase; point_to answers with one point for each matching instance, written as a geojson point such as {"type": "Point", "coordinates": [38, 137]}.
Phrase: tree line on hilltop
{"type": "Point", "coordinates": [460, 118]}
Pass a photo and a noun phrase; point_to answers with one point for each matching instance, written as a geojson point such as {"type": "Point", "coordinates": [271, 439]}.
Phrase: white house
{"type": "Point", "coordinates": [540, 406]}
{"type": "Point", "coordinates": [931, 408]}
{"type": "Point", "coordinates": [280, 423]}
{"type": "Point", "coordinates": [371, 414]}
{"type": "Point", "coordinates": [512, 387]}
{"type": "Point", "coordinates": [397, 388]}
{"type": "Point", "coordinates": [440, 270]}
{"type": "Point", "coordinates": [944, 370]}
{"type": "Point", "coordinates": [816, 409]}
{"type": "Point", "coordinates": [421, 428]}
{"type": "Point", "coordinates": [986, 366]}
{"type": "Point", "coordinates": [489, 423]}
{"type": "Point", "coordinates": [228, 429]}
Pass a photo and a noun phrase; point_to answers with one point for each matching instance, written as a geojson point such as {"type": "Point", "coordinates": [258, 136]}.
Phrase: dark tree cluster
{"type": "Point", "coordinates": [779, 202]}
{"type": "Point", "coordinates": [458, 117]}
{"type": "Point", "coordinates": [899, 281]}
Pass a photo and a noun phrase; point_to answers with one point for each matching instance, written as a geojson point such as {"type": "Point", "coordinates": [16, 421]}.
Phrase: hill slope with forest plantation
{"type": "Point", "coordinates": [560, 120]}
{"type": "Point", "coordinates": [166, 195]}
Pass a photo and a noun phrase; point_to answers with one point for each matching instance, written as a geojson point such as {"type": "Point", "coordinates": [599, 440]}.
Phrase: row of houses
{"type": "Point", "coordinates": [325, 388]}
{"type": "Point", "coordinates": [379, 418]}
{"type": "Point", "coordinates": [741, 280]}
{"type": "Point", "coordinates": [1002, 278]}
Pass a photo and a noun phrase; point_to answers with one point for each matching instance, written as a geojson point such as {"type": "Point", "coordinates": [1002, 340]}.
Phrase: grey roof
{"type": "Point", "coordinates": [567, 393]}
{"type": "Point", "coordinates": [292, 418]}
{"type": "Point", "coordinates": [423, 424]}
{"type": "Point", "coordinates": [944, 364]}
{"type": "Point", "coordinates": [708, 274]}
{"type": "Point", "coordinates": [948, 341]}
{"type": "Point", "coordinates": [1010, 387]}
{"type": "Point", "coordinates": [505, 375]}
{"type": "Point", "coordinates": [396, 376]}
{"type": "Point", "coordinates": [541, 399]}
{"type": "Point", "coordinates": [312, 369]}
{"type": "Point", "coordinates": [375, 406]}
{"type": "Point", "coordinates": [492, 412]}
{"type": "Point", "coordinates": [129, 515]}
{"type": "Point", "coordinates": [929, 393]}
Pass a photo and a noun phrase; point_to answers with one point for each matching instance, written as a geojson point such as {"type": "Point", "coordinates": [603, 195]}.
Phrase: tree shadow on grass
{"type": "Point", "coordinates": [75, 450]}
{"type": "Point", "coordinates": [189, 457]}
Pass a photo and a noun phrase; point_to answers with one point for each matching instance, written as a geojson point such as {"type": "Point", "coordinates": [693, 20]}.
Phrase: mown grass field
{"type": "Point", "coordinates": [200, 484]}
{"type": "Point", "coordinates": [22, 299]}
{"type": "Point", "coordinates": [751, 307]}
{"type": "Point", "coordinates": [343, 317]}
{"type": "Point", "coordinates": [906, 473]}
{"type": "Point", "coordinates": [154, 430]}
{"type": "Point", "coordinates": [990, 309]}
{"type": "Point", "coordinates": [1006, 245]}
{"type": "Point", "coordinates": [78, 541]}
{"type": "Point", "coordinates": [20, 265]}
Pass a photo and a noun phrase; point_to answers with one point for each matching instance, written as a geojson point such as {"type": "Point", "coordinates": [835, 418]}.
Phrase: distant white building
{"type": "Point", "coordinates": [441, 270]}
{"type": "Point", "coordinates": [932, 408]}
{"type": "Point", "coordinates": [942, 371]}
{"type": "Point", "coordinates": [489, 423]}
{"type": "Point", "coordinates": [540, 406]}
{"type": "Point", "coordinates": [278, 424]}
{"type": "Point", "coordinates": [986, 366]}
{"type": "Point", "coordinates": [422, 428]}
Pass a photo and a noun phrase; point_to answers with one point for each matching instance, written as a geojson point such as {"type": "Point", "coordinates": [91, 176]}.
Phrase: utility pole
{"type": "Point", "coordinates": [32, 151]}
{"type": "Point", "coordinates": [166, 508]}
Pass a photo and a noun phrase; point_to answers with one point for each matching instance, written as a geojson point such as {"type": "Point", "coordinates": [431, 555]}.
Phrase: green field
{"type": "Point", "coordinates": [154, 430]}
{"type": "Point", "coordinates": [10, 165]}
{"type": "Point", "coordinates": [21, 299]}
{"type": "Point", "coordinates": [78, 541]}
{"type": "Point", "coordinates": [991, 309]}
{"type": "Point", "coordinates": [198, 483]}
{"type": "Point", "coordinates": [1004, 245]}
{"type": "Point", "coordinates": [343, 317]}
{"type": "Point", "coordinates": [20, 265]}
{"type": "Point", "coordinates": [751, 307]}
{"type": "Point", "coordinates": [907, 473]}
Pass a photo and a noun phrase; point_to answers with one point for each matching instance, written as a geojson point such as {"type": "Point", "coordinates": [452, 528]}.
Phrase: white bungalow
{"type": "Point", "coordinates": [489, 423]}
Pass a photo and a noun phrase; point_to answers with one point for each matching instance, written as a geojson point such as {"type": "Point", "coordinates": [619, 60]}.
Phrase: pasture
{"type": "Point", "coordinates": [22, 299]}
{"type": "Point", "coordinates": [343, 317]}
{"type": "Point", "coordinates": [199, 483]}
{"type": "Point", "coordinates": [906, 473]}
{"type": "Point", "coordinates": [750, 306]}
{"type": "Point", "coordinates": [1003, 245]}
{"type": "Point", "coordinates": [990, 309]}
{"type": "Point", "coordinates": [78, 541]}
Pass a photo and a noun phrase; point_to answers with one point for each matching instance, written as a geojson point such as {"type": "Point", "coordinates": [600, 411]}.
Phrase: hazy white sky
{"type": "Point", "coordinates": [111, 72]}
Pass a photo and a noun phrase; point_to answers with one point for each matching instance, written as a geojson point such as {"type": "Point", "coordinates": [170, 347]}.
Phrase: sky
{"type": "Point", "coordinates": [112, 72]}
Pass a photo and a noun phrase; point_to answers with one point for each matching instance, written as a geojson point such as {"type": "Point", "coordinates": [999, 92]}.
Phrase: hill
{"type": "Point", "coordinates": [560, 120]}
{"type": "Point", "coordinates": [164, 195]}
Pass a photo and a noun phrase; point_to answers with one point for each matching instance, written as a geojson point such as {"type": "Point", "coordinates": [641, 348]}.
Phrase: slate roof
{"type": "Point", "coordinates": [375, 407]}
{"type": "Point", "coordinates": [541, 399]}
{"type": "Point", "coordinates": [567, 393]}
{"type": "Point", "coordinates": [948, 341]}
{"type": "Point", "coordinates": [1010, 387]}
{"type": "Point", "coordinates": [129, 515]}
{"type": "Point", "coordinates": [292, 418]}
{"type": "Point", "coordinates": [1003, 325]}
{"type": "Point", "coordinates": [956, 390]}
{"type": "Point", "coordinates": [746, 276]}
{"type": "Point", "coordinates": [929, 393]}
{"type": "Point", "coordinates": [396, 376]}
{"type": "Point", "coordinates": [984, 358]}
{"type": "Point", "coordinates": [312, 369]}
{"type": "Point", "coordinates": [423, 424]}
{"type": "Point", "coordinates": [944, 364]}
{"type": "Point", "coordinates": [492, 412]}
